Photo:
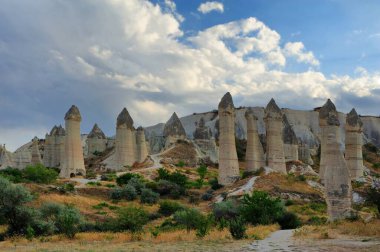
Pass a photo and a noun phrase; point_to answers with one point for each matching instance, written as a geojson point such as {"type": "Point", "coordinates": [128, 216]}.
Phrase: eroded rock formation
{"type": "Point", "coordinates": [274, 144]}
{"type": "Point", "coordinates": [96, 141]}
{"type": "Point", "coordinates": [141, 145]}
{"type": "Point", "coordinates": [5, 158]}
{"type": "Point", "coordinates": [254, 155]}
{"type": "Point", "coordinates": [336, 175]}
{"type": "Point", "coordinates": [72, 161]}
{"type": "Point", "coordinates": [173, 130]}
{"type": "Point", "coordinates": [290, 141]}
{"type": "Point", "coordinates": [35, 151]}
{"type": "Point", "coordinates": [354, 142]}
{"type": "Point", "coordinates": [54, 147]}
{"type": "Point", "coordinates": [228, 161]}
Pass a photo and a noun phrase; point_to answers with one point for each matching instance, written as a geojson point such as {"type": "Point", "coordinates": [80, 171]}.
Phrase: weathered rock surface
{"type": "Point", "coordinates": [228, 161]}
{"type": "Point", "coordinates": [72, 162]}
{"type": "Point", "coordinates": [202, 131]}
{"type": "Point", "coordinates": [5, 158]}
{"type": "Point", "coordinates": [254, 153]}
{"type": "Point", "coordinates": [274, 144]}
{"type": "Point", "coordinates": [141, 145]}
{"type": "Point", "coordinates": [354, 142]}
{"type": "Point", "coordinates": [338, 191]}
{"type": "Point", "coordinates": [290, 141]}
{"type": "Point", "coordinates": [36, 155]}
{"type": "Point", "coordinates": [173, 130]}
{"type": "Point", "coordinates": [96, 141]}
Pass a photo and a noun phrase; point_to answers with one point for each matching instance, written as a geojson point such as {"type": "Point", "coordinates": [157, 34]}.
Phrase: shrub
{"type": "Point", "coordinates": [175, 177]}
{"type": "Point", "coordinates": [260, 208]}
{"type": "Point", "coordinates": [165, 187]}
{"type": "Point", "coordinates": [289, 221]}
{"type": "Point", "coordinates": [163, 174]}
{"type": "Point", "coordinates": [215, 184]}
{"type": "Point", "coordinates": [237, 228]}
{"type": "Point", "coordinates": [148, 196]}
{"type": "Point", "coordinates": [373, 197]}
{"type": "Point", "coordinates": [129, 192]}
{"type": "Point", "coordinates": [124, 179]}
{"type": "Point", "coordinates": [181, 163]}
{"type": "Point", "coordinates": [137, 183]}
{"type": "Point", "coordinates": [203, 226]}
{"type": "Point", "coordinates": [40, 174]}
{"type": "Point", "coordinates": [12, 174]}
{"type": "Point", "coordinates": [316, 220]}
{"type": "Point", "coordinates": [202, 171]}
{"type": "Point", "coordinates": [188, 218]}
{"type": "Point", "coordinates": [207, 196]}
{"type": "Point", "coordinates": [376, 165]}
{"type": "Point", "coordinates": [132, 219]}
{"type": "Point", "coordinates": [168, 207]}
{"type": "Point", "coordinates": [116, 194]}
{"type": "Point", "coordinates": [152, 185]}
{"type": "Point", "coordinates": [68, 221]}
{"type": "Point", "coordinates": [108, 177]}
{"type": "Point", "coordinates": [226, 210]}
{"type": "Point", "coordinates": [289, 202]}
{"type": "Point", "coordinates": [66, 188]}
{"type": "Point", "coordinates": [90, 175]}
{"type": "Point", "coordinates": [246, 174]}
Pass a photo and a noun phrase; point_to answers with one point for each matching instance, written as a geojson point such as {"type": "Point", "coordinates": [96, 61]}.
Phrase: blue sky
{"type": "Point", "coordinates": [160, 56]}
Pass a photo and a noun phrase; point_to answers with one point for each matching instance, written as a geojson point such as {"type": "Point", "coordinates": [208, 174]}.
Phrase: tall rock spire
{"type": "Point", "coordinates": [254, 155]}
{"type": "Point", "coordinates": [96, 141]}
{"type": "Point", "coordinates": [173, 130]}
{"type": "Point", "coordinates": [228, 161]}
{"type": "Point", "coordinates": [275, 145]}
{"type": "Point", "coordinates": [290, 141]}
{"type": "Point", "coordinates": [125, 143]}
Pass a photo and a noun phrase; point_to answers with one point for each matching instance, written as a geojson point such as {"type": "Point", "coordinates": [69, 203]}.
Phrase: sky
{"type": "Point", "coordinates": [160, 56]}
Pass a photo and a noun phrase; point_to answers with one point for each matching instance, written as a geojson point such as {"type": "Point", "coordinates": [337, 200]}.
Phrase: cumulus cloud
{"type": "Point", "coordinates": [211, 6]}
{"type": "Point", "coordinates": [134, 54]}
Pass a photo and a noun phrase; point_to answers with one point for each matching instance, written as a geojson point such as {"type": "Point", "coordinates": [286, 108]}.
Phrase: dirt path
{"type": "Point", "coordinates": [278, 241]}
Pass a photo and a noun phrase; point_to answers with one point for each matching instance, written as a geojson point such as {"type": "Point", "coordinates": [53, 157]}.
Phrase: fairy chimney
{"type": "Point", "coordinates": [125, 144]}
{"type": "Point", "coordinates": [254, 155]}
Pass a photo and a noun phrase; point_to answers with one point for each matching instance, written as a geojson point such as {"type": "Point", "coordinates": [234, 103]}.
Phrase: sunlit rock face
{"type": "Point", "coordinates": [336, 175]}
{"type": "Point", "coordinates": [254, 155]}
{"type": "Point", "coordinates": [72, 161]}
{"type": "Point", "coordinates": [36, 155]}
{"type": "Point", "coordinates": [228, 161]}
{"type": "Point", "coordinates": [354, 142]}
{"type": "Point", "coordinates": [274, 142]}
{"type": "Point", "coordinates": [173, 130]}
{"type": "Point", "coordinates": [141, 145]}
{"type": "Point", "coordinates": [290, 141]}
{"type": "Point", "coordinates": [5, 158]}
{"type": "Point", "coordinates": [96, 141]}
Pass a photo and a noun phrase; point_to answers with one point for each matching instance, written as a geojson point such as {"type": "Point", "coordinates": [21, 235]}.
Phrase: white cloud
{"type": "Point", "coordinates": [87, 68]}
{"type": "Point", "coordinates": [211, 6]}
{"type": "Point", "coordinates": [103, 54]}
{"type": "Point", "coordinates": [297, 50]}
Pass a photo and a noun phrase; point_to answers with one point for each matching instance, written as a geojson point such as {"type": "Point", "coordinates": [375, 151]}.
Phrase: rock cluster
{"type": "Point", "coordinates": [354, 142]}
{"type": "Point", "coordinates": [173, 130]}
{"type": "Point", "coordinates": [274, 142]}
{"type": "Point", "coordinates": [254, 155]}
{"type": "Point", "coordinates": [96, 141]}
{"type": "Point", "coordinates": [202, 131]}
{"type": "Point", "coordinates": [54, 147]}
{"type": "Point", "coordinates": [72, 161]}
{"type": "Point", "coordinates": [336, 178]}
{"type": "Point", "coordinates": [228, 161]}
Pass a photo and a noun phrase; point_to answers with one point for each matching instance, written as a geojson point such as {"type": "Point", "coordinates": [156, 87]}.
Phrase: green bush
{"type": "Point", "coordinates": [124, 179]}
{"type": "Point", "coordinates": [206, 196]}
{"type": "Point", "coordinates": [129, 192]}
{"type": "Point", "coordinates": [163, 174]}
{"type": "Point", "coordinates": [66, 188]}
{"type": "Point", "coordinates": [373, 197]}
{"type": "Point", "coordinates": [188, 218]}
{"type": "Point", "coordinates": [225, 210]}
{"type": "Point", "coordinates": [40, 174]}
{"type": "Point", "coordinates": [237, 228]}
{"type": "Point", "coordinates": [12, 174]}
{"type": "Point", "coordinates": [376, 165]}
{"type": "Point", "coordinates": [215, 184]}
{"type": "Point", "coordinates": [289, 221]}
{"type": "Point", "coordinates": [68, 221]}
{"type": "Point", "coordinates": [316, 220]}
{"type": "Point", "coordinates": [137, 183]}
{"type": "Point", "coordinates": [260, 208]}
{"type": "Point", "coordinates": [203, 226]}
{"type": "Point", "coordinates": [202, 171]}
{"type": "Point", "coordinates": [175, 177]}
{"type": "Point", "coordinates": [132, 219]}
{"type": "Point", "coordinates": [168, 207]}
{"type": "Point", "coordinates": [181, 163]}
{"type": "Point", "coordinates": [148, 196]}
{"type": "Point", "coordinates": [247, 174]}
{"type": "Point", "coordinates": [165, 187]}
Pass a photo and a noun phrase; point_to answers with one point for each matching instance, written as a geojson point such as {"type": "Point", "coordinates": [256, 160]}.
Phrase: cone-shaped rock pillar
{"type": "Point", "coordinates": [275, 145]}
{"type": "Point", "coordinates": [290, 141]}
{"type": "Point", "coordinates": [142, 150]}
{"type": "Point", "coordinates": [96, 140]}
{"type": "Point", "coordinates": [54, 147]}
{"type": "Point", "coordinates": [5, 158]}
{"type": "Point", "coordinates": [354, 142]}
{"type": "Point", "coordinates": [254, 154]}
{"type": "Point", "coordinates": [336, 175]}
{"type": "Point", "coordinates": [125, 145]}
{"type": "Point", "coordinates": [328, 117]}
{"type": "Point", "coordinates": [228, 161]}
{"type": "Point", "coordinates": [36, 155]}
{"type": "Point", "coordinates": [72, 162]}
{"type": "Point", "coordinates": [173, 130]}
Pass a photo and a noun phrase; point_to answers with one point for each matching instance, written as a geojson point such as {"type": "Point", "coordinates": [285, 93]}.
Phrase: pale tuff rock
{"type": "Point", "coordinates": [36, 155]}
{"type": "Point", "coordinates": [336, 176]}
{"type": "Point", "coordinates": [96, 141]}
{"type": "Point", "coordinates": [329, 123]}
{"type": "Point", "coordinates": [290, 141]}
{"type": "Point", "coordinates": [254, 153]}
{"type": "Point", "coordinates": [54, 147]}
{"type": "Point", "coordinates": [72, 161]}
{"type": "Point", "coordinates": [303, 170]}
{"type": "Point", "coordinates": [173, 130]}
{"type": "Point", "coordinates": [228, 161]}
{"type": "Point", "coordinates": [274, 144]}
{"type": "Point", "coordinates": [142, 151]}
{"type": "Point", "coordinates": [22, 156]}
{"type": "Point", "coordinates": [354, 142]}
{"type": "Point", "coordinates": [5, 158]}
{"type": "Point", "coordinates": [156, 142]}
{"type": "Point", "coordinates": [202, 131]}
{"type": "Point", "coordinates": [304, 154]}
{"type": "Point", "coordinates": [125, 144]}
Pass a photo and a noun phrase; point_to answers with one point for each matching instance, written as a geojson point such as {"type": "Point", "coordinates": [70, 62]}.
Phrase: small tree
{"type": "Point", "coordinates": [188, 218]}
{"type": "Point", "coordinates": [40, 174]}
{"type": "Point", "coordinates": [125, 178]}
{"type": "Point", "coordinates": [148, 196]}
{"type": "Point", "coordinates": [237, 228]}
{"type": "Point", "coordinates": [132, 219]}
{"type": "Point", "coordinates": [68, 221]}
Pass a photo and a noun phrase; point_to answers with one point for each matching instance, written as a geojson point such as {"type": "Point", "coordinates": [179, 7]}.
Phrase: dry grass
{"type": "Point", "coordinates": [115, 241]}
{"type": "Point", "coordinates": [336, 230]}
